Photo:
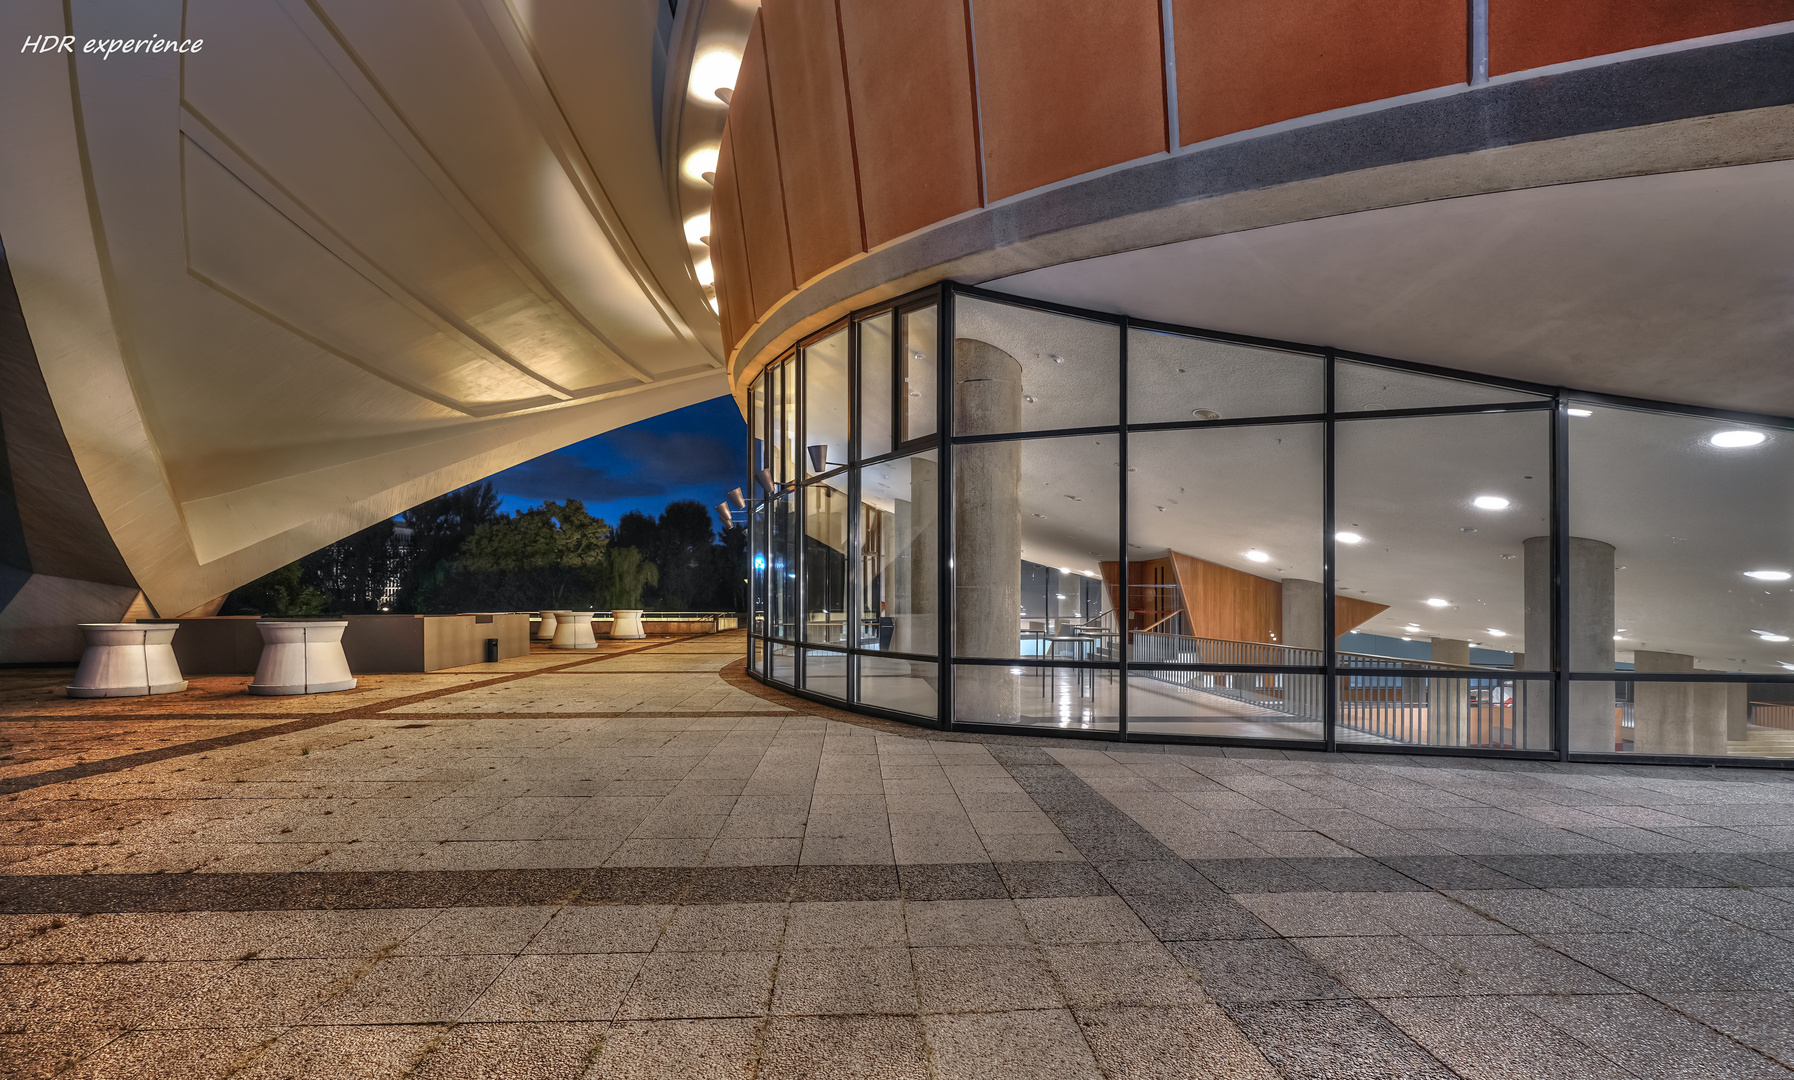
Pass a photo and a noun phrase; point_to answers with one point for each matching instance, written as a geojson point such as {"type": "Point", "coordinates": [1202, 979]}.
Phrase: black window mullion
{"type": "Point", "coordinates": [1329, 568]}
{"type": "Point", "coordinates": [944, 525]}
{"type": "Point", "coordinates": [1121, 534]}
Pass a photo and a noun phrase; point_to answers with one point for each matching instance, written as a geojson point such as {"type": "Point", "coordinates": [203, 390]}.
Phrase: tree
{"type": "Point", "coordinates": [556, 555]}
{"type": "Point", "coordinates": [625, 574]}
{"type": "Point", "coordinates": [438, 527]}
{"type": "Point", "coordinates": [280, 592]}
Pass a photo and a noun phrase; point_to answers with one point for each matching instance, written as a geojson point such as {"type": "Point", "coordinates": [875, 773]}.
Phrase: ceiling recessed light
{"type": "Point", "coordinates": [699, 162]}
{"type": "Point", "coordinates": [1489, 502]}
{"type": "Point", "coordinates": [1434, 601]}
{"type": "Point", "coordinates": [1348, 538]}
{"type": "Point", "coordinates": [706, 273]}
{"type": "Point", "coordinates": [1497, 633]}
{"type": "Point", "coordinates": [1581, 412]}
{"type": "Point", "coordinates": [1768, 575]}
{"type": "Point", "coordinates": [1065, 569]}
{"type": "Point", "coordinates": [697, 227]}
{"type": "Point", "coordinates": [1205, 414]}
{"type": "Point", "coordinates": [1616, 637]}
{"type": "Point", "coordinates": [1732, 440]}
{"type": "Point", "coordinates": [1774, 637]}
{"type": "Point", "coordinates": [1257, 556]}
{"type": "Point", "coordinates": [1407, 639]}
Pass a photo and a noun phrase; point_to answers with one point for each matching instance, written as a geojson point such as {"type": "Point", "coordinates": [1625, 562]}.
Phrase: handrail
{"type": "Point", "coordinates": [1312, 657]}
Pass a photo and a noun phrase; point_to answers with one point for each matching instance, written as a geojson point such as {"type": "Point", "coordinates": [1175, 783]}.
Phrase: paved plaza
{"type": "Point", "coordinates": [639, 864]}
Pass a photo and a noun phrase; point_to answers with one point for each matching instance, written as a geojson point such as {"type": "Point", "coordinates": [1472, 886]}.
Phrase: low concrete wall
{"type": "Point", "coordinates": [231, 644]}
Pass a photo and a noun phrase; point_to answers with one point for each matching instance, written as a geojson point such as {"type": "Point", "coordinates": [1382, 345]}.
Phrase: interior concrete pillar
{"type": "Point", "coordinates": [1304, 617]}
{"type": "Point", "coordinates": [1448, 699]}
{"type": "Point", "coordinates": [1589, 648]}
{"type": "Point", "coordinates": [1677, 717]}
{"type": "Point", "coordinates": [987, 555]}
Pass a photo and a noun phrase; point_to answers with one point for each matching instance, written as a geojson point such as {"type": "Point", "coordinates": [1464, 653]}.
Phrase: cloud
{"type": "Point", "coordinates": [562, 475]}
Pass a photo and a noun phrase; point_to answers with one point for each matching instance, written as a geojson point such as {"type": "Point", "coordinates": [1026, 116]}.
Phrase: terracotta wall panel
{"type": "Point", "coordinates": [1532, 33]}
{"type": "Point", "coordinates": [728, 251]}
{"type": "Point", "coordinates": [909, 88]}
{"type": "Point", "coordinates": [809, 105]}
{"type": "Point", "coordinates": [757, 180]}
{"type": "Point", "coordinates": [1242, 64]}
{"type": "Point", "coordinates": [1067, 86]}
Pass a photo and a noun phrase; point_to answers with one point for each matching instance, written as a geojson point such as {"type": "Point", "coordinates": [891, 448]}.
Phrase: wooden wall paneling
{"type": "Point", "coordinates": [1067, 86]}
{"type": "Point", "coordinates": [728, 250]}
{"type": "Point", "coordinates": [909, 91]}
{"type": "Point", "coordinates": [1349, 613]}
{"type": "Point", "coordinates": [809, 101]}
{"type": "Point", "coordinates": [1232, 605]}
{"type": "Point", "coordinates": [757, 180]}
{"type": "Point", "coordinates": [1533, 33]}
{"type": "Point", "coordinates": [1242, 64]}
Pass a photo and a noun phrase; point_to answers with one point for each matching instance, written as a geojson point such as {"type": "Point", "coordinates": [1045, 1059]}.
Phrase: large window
{"type": "Point", "coordinates": [976, 511]}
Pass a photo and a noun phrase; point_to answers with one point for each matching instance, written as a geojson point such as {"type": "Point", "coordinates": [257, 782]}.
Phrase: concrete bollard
{"type": "Point", "coordinates": [573, 630]}
{"type": "Point", "coordinates": [301, 658]}
{"type": "Point", "coordinates": [545, 628]}
{"type": "Point", "coordinates": [127, 660]}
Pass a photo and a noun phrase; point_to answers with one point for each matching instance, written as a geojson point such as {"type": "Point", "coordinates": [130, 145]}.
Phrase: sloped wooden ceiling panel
{"type": "Point", "coordinates": [809, 102]}
{"type": "Point", "coordinates": [758, 182]}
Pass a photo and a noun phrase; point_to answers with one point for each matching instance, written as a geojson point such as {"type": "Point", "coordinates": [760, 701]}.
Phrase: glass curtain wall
{"type": "Point", "coordinates": [983, 511]}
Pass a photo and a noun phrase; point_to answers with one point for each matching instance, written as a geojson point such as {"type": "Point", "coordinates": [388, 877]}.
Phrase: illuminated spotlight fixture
{"type": "Point", "coordinates": [1434, 601]}
{"type": "Point", "coordinates": [737, 499]}
{"type": "Point", "coordinates": [1768, 575]}
{"type": "Point", "coordinates": [1065, 569]}
{"type": "Point", "coordinates": [1580, 412]}
{"type": "Point", "coordinates": [705, 272]}
{"type": "Point", "coordinates": [1348, 538]}
{"type": "Point", "coordinates": [1489, 502]}
{"type": "Point", "coordinates": [697, 228]}
{"type": "Point", "coordinates": [713, 74]}
{"type": "Point", "coordinates": [819, 457]}
{"type": "Point", "coordinates": [1257, 556]}
{"type": "Point", "coordinates": [1770, 635]}
{"type": "Point", "coordinates": [1736, 440]}
{"type": "Point", "coordinates": [722, 511]}
{"type": "Point", "coordinates": [699, 163]}
{"type": "Point", "coordinates": [1785, 664]}
{"type": "Point", "coordinates": [764, 477]}
{"type": "Point", "coordinates": [1497, 633]}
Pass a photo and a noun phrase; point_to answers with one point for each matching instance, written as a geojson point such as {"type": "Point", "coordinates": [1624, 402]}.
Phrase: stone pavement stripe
{"type": "Point", "coordinates": [14, 785]}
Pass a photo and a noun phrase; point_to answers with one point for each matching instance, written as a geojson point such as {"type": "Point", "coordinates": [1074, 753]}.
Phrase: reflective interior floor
{"type": "Point", "coordinates": [642, 864]}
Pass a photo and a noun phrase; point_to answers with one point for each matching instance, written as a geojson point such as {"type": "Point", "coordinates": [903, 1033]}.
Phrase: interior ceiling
{"type": "Point", "coordinates": [1675, 286]}
{"type": "Point", "coordinates": [436, 237]}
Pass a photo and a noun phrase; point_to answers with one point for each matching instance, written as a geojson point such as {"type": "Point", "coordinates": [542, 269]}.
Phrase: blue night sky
{"type": "Point", "coordinates": [691, 453]}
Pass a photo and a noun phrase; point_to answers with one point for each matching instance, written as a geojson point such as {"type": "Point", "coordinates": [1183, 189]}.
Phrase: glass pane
{"type": "Point", "coordinates": [1742, 719]}
{"type": "Point", "coordinates": [1018, 369]}
{"type": "Point", "coordinates": [760, 566]}
{"type": "Point", "coordinates": [756, 655]}
{"type": "Point", "coordinates": [1224, 545]}
{"type": "Point", "coordinates": [757, 428]}
{"type": "Point", "coordinates": [825, 561]}
{"type": "Point", "coordinates": [1443, 537]}
{"type": "Point", "coordinates": [1221, 704]}
{"type": "Point", "coordinates": [875, 386]}
{"type": "Point", "coordinates": [1022, 508]}
{"type": "Point", "coordinates": [825, 673]}
{"type": "Point", "coordinates": [1172, 377]}
{"type": "Point", "coordinates": [781, 570]}
{"type": "Point", "coordinates": [1483, 710]}
{"type": "Point", "coordinates": [1037, 695]}
{"type": "Point", "coordinates": [825, 404]}
{"type": "Point", "coordinates": [1368, 388]}
{"type": "Point", "coordinates": [920, 375]}
{"type": "Point", "coordinates": [909, 686]}
{"type": "Point", "coordinates": [899, 554]}
{"type": "Point", "coordinates": [782, 663]}
{"type": "Point", "coordinates": [782, 402]}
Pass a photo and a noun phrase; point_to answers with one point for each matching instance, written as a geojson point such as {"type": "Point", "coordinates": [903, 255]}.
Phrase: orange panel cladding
{"type": "Point", "coordinates": [1232, 605]}
{"type": "Point", "coordinates": [1532, 33]}
{"type": "Point", "coordinates": [909, 91]}
{"type": "Point", "coordinates": [1242, 64]}
{"type": "Point", "coordinates": [1349, 613]}
{"type": "Point", "coordinates": [728, 253]}
{"type": "Point", "coordinates": [757, 180]}
{"type": "Point", "coordinates": [1067, 86]}
{"type": "Point", "coordinates": [809, 103]}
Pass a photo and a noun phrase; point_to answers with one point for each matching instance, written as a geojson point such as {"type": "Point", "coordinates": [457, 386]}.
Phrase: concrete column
{"type": "Point", "coordinates": [1678, 718]}
{"type": "Point", "coordinates": [915, 594]}
{"type": "Point", "coordinates": [1304, 617]}
{"type": "Point", "coordinates": [1590, 645]}
{"type": "Point", "coordinates": [987, 557]}
{"type": "Point", "coordinates": [1448, 699]}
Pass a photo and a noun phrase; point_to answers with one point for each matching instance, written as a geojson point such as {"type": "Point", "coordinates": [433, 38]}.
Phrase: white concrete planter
{"type": "Point", "coordinates": [573, 630]}
{"type": "Point", "coordinates": [545, 628]}
{"type": "Point", "coordinates": [627, 624]}
{"type": "Point", "coordinates": [301, 658]}
{"type": "Point", "coordinates": [127, 660]}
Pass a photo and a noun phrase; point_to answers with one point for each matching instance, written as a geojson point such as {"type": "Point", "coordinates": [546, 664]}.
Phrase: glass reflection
{"type": "Point", "coordinates": [1237, 705]}
{"type": "Point", "coordinates": [1037, 695]}
{"type": "Point", "coordinates": [825, 673]}
{"type": "Point", "coordinates": [909, 686]}
{"type": "Point", "coordinates": [899, 569]}
{"type": "Point", "coordinates": [876, 387]}
{"type": "Point", "coordinates": [920, 375]}
{"type": "Point", "coordinates": [825, 405]}
{"type": "Point", "coordinates": [825, 563]}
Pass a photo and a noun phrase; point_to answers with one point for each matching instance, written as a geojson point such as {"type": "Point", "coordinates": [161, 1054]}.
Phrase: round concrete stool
{"type": "Point", "coordinates": [573, 630]}
{"type": "Point", "coordinates": [627, 624]}
{"type": "Point", "coordinates": [545, 628]}
{"type": "Point", "coordinates": [301, 658]}
{"type": "Point", "coordinates": [127, 660]}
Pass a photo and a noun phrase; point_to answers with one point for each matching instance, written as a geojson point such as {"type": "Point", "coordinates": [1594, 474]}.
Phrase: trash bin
{"type": "Point", "coordinates": [491, 650]}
